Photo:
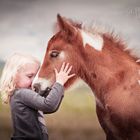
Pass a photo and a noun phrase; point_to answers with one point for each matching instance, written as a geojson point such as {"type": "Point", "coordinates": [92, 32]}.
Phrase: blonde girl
{"type": "Point", "coordinates": [26, 105]}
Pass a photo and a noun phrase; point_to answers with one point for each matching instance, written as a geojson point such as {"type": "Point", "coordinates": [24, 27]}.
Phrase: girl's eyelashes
{"type": "Point", "coordinates": [30, 75]}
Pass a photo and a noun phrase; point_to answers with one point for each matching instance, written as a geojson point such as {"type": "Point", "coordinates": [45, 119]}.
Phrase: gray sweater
{"type": "Point", "coordinates": [25, 106]}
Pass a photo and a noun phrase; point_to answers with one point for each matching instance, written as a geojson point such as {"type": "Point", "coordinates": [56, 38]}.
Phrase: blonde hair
{"type": "Point", "coordinates": [13, 64]}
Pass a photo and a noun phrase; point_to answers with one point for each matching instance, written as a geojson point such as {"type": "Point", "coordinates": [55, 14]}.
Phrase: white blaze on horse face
{"type": "Point", "coordinates": [62, 55]}
{"type": "Point", "coordinates": [42, 81]}
{"type": "Point", "coordinates": [95, 41]}
{"type": "Point", "coordinates": [35, 79]}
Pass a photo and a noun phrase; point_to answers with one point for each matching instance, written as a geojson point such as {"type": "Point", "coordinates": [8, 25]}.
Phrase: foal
{"type": "Point", "coordinates": [110, 71]}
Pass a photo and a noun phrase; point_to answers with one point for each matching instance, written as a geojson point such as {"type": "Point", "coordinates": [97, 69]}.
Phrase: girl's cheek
{"type": "Point", "coordinates": [29, 83]}
{"type": "Point", "coordinates": [26, 83]}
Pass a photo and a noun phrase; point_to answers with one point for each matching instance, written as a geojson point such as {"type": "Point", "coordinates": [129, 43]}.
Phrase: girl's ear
{"type": "Point", "coordinates": [66, 26]}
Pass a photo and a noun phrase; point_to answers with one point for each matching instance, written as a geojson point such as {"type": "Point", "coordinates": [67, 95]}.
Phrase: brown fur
{"type": "Point", "coordinates": [111, 73]}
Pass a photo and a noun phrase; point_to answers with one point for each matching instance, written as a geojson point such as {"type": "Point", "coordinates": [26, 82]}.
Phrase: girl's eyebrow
{"type": "Point", "coordinates": [31, 73]}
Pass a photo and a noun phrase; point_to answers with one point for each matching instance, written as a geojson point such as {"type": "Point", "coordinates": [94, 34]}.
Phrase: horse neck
{"type": "Point", "coordinates": [105, 69]}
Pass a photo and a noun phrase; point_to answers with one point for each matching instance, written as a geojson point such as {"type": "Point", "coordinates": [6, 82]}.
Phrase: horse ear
{"type": "Point", "coordinates": [65, 25]}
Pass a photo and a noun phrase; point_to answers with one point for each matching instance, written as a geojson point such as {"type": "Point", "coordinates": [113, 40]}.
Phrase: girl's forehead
{"type": "Point", "coordinates": [31, 64]}
{"type": "Point", "coordinates": [30, 67]}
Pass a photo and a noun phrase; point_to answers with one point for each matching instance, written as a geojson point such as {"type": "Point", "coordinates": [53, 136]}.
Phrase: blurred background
{"type": "Point", "coordinates": [27, 25]}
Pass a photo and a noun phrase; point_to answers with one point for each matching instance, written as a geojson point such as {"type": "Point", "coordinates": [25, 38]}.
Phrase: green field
{"type": "Point", "coordinates": [75, 120]}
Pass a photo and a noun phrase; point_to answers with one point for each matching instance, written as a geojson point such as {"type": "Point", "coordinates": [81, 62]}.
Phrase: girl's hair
{"type": "Point", "coordinates": [13, 64]}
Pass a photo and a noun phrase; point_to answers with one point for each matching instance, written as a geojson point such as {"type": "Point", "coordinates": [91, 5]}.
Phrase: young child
{"type": "Point", "coordinates": [26, 105]}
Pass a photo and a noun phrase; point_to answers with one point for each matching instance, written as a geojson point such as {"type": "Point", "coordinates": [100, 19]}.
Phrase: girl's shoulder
{"type": "Point", "coordinates": [21, 92]}
{"type": "Point", "coordinates": [23, 95]}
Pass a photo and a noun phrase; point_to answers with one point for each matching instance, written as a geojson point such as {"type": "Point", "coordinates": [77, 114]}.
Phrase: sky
{"type": "Point", "coordinates": [27, 25]}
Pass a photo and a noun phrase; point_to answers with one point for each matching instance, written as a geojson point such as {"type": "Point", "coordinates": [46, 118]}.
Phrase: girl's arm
{"type": "Point", "coordinates": [32, 99]}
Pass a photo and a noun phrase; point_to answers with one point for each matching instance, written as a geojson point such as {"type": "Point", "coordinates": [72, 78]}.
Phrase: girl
{"type": "Point", "coordinates": [26, 105]}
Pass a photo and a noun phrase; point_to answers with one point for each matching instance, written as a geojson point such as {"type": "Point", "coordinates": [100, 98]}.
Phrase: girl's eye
{"type": "Point", "coordinates": [54, 54]}
{"type": "Point", "coordinates": [29, 76]}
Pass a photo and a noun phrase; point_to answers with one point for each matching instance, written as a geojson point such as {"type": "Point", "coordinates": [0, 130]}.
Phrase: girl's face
{"type": "Point", "coordinates": [25, 75]}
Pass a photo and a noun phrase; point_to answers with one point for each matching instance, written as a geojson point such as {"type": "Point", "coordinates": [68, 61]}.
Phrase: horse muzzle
{"type": "Point", "coordinates": [37, 88]}
{"type": "Point", "coordinates": [41, 86]}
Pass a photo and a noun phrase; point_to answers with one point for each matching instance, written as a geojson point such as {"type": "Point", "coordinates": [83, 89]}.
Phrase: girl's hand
{"type": "Point", "coordinates": [63, 75]}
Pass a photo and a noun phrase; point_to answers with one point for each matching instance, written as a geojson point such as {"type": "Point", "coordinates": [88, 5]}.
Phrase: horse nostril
{"type": "Point", "coordinates": [36, 87]}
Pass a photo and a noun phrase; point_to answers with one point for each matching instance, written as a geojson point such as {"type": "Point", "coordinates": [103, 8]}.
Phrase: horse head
{"type": "Point", "coordinates": [64, 46]}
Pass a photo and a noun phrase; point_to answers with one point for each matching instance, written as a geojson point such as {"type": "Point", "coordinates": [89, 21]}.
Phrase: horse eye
{"type": "Point", "coordinates": [54, 54]}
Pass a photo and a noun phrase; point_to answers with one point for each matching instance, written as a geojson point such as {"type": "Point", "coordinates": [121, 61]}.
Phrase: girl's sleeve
{"type": "Point", "coordinates": [48, 105]}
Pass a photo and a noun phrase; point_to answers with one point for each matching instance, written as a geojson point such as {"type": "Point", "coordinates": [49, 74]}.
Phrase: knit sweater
{"type": "Point", "coordinates": [25, 107]}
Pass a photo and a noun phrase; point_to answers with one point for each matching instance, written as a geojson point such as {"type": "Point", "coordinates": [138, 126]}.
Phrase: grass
{"type": "Point", "coordinates": [75, 119]}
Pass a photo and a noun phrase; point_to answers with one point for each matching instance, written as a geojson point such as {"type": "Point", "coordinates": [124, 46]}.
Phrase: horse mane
{"type": "Point", "coordinates": [110, 35]}
{"type": "Point", "coordinates": [121, 44]}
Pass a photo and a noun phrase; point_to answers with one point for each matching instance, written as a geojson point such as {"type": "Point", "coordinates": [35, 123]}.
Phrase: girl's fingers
{"type": "Point", "coordinates": [66, 67]}
{"type": "Point", "coordinates": [69, 70]}
{"type": "Point", "coordinates": [71, 75]}
{"type": "Point", "coordinates": [62, 67]}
